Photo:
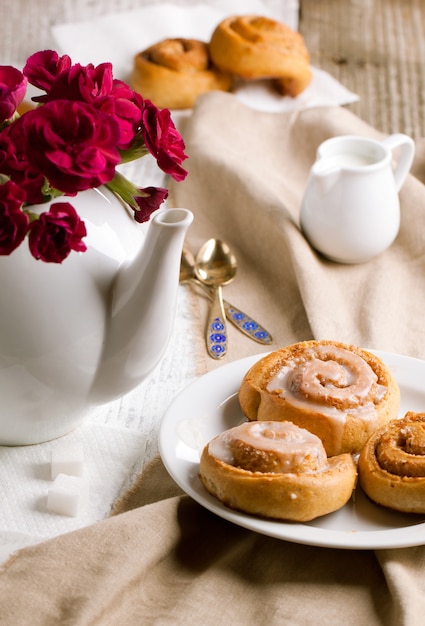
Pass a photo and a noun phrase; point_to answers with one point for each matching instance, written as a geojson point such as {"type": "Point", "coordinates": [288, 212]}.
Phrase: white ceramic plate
{"type": "Point", "coordinates": [210, 405]}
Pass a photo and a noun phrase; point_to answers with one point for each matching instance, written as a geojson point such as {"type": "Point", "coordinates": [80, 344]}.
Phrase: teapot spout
{"type": "Point", "coordinates": [142, 308]}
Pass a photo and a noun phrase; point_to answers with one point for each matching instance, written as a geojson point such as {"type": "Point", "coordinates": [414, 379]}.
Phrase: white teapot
{"type": "Point", "coordinates": [350, 211]}
{"type": "Point", "coordinates": [84, 332]}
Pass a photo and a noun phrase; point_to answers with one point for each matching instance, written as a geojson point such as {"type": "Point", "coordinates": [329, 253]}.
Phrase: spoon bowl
{"type": "Point", "coordinates": [216, 265]}
{"type": "Point", "coordinates": [243, 322]}
{"type": "Point", "coordinates": [187, 266]}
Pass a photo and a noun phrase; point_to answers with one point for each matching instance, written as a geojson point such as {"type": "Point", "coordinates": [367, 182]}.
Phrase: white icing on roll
{"type": "Point", "coordinates": [329, 380]}
{"type": "Point", "coordinates": [278, 447]}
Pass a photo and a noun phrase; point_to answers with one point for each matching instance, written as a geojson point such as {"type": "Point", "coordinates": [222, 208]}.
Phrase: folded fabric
{"type": "Point", "coordinates": [172, 562]}
{"type": "Point", "coordinates": [247, 175]}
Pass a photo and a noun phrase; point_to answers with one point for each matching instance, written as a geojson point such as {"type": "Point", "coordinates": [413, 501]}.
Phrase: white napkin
{"type": "Point", "coordinates": [118, 439]}
{"type": "Point", "coordinates": [118, 38]}
{"type": "Point", "coordinates": [111, 456]}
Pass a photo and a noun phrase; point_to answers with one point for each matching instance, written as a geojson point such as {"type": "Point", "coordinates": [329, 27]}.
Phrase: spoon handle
{"type": "Point", "coordinates": [243, 322]}
{"type": "Point", "coordinates": [216, 335]}
{"type": "Point", "coordinates": [247, 325]}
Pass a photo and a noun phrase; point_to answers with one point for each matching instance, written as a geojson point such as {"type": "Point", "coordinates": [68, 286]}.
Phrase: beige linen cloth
{"type": "Point", "coordinates": [161, 558]}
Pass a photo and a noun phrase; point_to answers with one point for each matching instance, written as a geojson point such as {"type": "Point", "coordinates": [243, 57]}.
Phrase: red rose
{"type": "Point", "coordinates": [78, 82]}
{"type": "Point", "coordinates": [42, 68]}
{"type": "Point", "coordinates": [13, 86]}
{"type": "Point", "coordinates": [96, 86]}
{"type": "Point", "coordinates": [13, 222]}
{"type": "Point", "coordinates": [149, 201]}
{"type": "Point", "coordinates": [56, 232]}
{"type": "Point", "coordinates": [72, 144]}
{"type": "Point", "coordinates": [163, 140]}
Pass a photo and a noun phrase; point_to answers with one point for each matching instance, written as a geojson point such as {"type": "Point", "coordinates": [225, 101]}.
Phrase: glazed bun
{"type": "Point", "coordinates": [392, 464]}
{"type": "Point", "coordinates": [276, 470]}
{"type": "Point", "coordinates": [337, 391]}
{"type": "Point", "coordinates": [174, 72]}
{"type": "Point", "coordinates": [253, 47]}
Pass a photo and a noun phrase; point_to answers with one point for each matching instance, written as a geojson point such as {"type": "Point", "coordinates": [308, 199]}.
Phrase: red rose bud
{"type": "Point", "coordinates": [149, 201]}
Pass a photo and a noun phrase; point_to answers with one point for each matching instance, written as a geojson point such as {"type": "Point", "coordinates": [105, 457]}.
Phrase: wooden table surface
{"type": "Point", "coordinates": [375, 48]}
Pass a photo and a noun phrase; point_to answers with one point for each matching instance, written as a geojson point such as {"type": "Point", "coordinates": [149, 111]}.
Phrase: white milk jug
{"type": "Point", "coordinates": [351, 211]}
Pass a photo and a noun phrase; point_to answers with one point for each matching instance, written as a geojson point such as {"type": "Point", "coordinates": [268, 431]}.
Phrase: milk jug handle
{"type": "Point", "coordinates": [407, 152]}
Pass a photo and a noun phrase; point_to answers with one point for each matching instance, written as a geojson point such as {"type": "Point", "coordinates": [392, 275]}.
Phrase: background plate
{"type": "Point", "coordinates": [118, 38]}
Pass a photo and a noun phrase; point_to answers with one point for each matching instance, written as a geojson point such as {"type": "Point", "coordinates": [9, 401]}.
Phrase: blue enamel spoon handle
{"type": "Point", "coordinates": [216, 333]}
{"type": "Point", "coordinates": [246, 324]}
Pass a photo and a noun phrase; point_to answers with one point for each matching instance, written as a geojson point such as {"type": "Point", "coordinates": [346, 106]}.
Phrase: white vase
{"type": "Point", "coordinates": [84, 332]}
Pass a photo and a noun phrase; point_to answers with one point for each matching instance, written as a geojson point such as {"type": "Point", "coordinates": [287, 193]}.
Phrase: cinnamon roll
{"type": "Point", "coordinates": [392, 464]}
{"type": "Point", "coordinates": [337, 391]}
{"type": "Point", "coordinates": [252, 46]}
{"type": "Point", "coordinates": [276, 470]}
{"type": "Point", "coordinates": [174, 72]}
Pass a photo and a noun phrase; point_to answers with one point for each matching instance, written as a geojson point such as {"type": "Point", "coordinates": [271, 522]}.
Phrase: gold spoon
{"type": "Point", "coordinates": [243, 322]}
{"type": "Point", "coordinates": [215, 265]}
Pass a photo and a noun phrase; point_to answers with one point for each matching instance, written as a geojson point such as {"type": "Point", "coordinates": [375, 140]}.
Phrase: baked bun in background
{"type": "Point", "coordinates": [253, 47]}
{"type": "Point", "coordinates": [276, 470]}
{"type": "Point", "coordinates": [337, 391]}
{"type": "Point", "coordinates": [174, 72]}
{"type": "Point", "coordinates": [392, 464]}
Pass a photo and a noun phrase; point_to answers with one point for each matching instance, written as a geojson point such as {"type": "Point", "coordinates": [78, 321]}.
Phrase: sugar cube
{"type": "Point", "coordinates": [67, 495]}
{"type": "Point", "coordinates": [67, 458]}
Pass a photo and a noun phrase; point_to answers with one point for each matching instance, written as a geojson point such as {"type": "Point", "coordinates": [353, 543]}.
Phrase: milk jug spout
{"type": "Point", "coordinates": [325, 173]}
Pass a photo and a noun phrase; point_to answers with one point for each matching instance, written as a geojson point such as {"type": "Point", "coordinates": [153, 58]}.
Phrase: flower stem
{"type": "Point", "coordinates": [125, 189]}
